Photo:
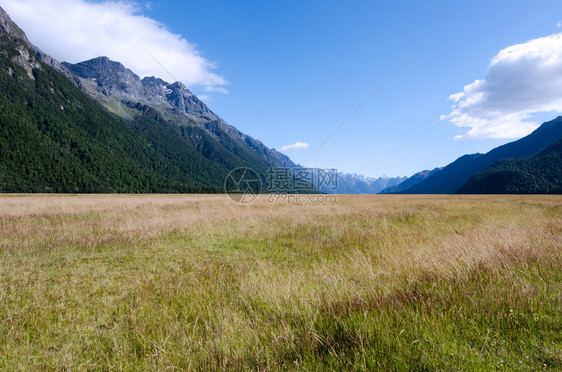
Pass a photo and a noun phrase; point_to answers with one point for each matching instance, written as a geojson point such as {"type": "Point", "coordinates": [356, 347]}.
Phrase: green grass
{"type": "Point", "coordinates": [201, 283]}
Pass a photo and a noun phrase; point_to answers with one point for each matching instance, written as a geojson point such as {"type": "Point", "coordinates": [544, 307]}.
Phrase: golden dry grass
{"type": "Point", "coordinates": [123, 282]}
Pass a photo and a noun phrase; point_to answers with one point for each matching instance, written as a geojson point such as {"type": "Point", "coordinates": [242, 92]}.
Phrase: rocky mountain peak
{"type": "Point", "coordinates": [112, 77]}
{"type": "Point", "coordinates": [100, 66]}
{"type": "Point", "coordinates": [180, 87]}
{"type": "Point", "coordinates": [154, 86]}
{"type": "Point", "coordinates": [181, 98]}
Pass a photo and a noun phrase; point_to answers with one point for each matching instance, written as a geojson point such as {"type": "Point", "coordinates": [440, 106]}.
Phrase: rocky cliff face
{"type": "Point", "coordinates": [7, 26]}
{"type": "Point", "coordinates": [30, 55]}
{"type": "Point", "coordinates": [13, 35]}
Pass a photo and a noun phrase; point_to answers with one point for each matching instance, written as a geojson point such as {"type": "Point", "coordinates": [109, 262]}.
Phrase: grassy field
{"type": "Point", "coordinates": [201, 283]}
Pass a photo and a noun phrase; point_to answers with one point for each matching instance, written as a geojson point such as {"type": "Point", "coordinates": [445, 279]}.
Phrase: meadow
{"type": "Point", "coordinates": [198, 282]}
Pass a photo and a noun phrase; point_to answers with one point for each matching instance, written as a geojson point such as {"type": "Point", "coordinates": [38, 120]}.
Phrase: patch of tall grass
{"type": "Point", "coordinates": [200, 283]}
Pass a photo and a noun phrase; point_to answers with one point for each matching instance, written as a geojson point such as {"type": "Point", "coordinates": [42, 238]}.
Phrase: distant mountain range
{"type": "Point", "coordinates": [359, 184]}
{"type": "Point", "coordinates": [409, 181]}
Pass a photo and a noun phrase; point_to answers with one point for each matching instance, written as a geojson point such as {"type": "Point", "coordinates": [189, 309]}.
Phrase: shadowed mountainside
{"type": "Point", "coordinates": [455, 175]}
{"type": "Point", "coordinates": [538, 174]}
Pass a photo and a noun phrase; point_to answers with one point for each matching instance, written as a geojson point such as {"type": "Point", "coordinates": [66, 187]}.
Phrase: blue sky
{"type": "Point", "coordinates": [292, 71]}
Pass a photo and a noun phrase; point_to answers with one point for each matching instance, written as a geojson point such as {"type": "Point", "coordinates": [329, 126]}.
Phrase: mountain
{"type": "Point", "coordinates": [455, 175]}
{"type": "Point", "coordinates": [359, 184]}
{"type": "Point", "coordinates": [53, 138]}
{"type": "Point", "coordinates": [409, 182]}
{"type": "Point", "coordinates": [124, 93]}
{"type": "Point", "coordinates": [56, 138]}
{"type": "Point", "coordinates": [538, 174]}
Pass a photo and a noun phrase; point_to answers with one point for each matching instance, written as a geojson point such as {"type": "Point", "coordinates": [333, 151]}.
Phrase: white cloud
{"type": "Point", "coordinates": [295, 146]}
{"type": "Point", "coordinates": [215, 89]}
{"type": "Point", "coordinates": [559, 24]}
{"type": "Point", "coordinates": [522, 80]}
{"type": "Point", "coordinates": [77, 30]}
{"type": "Point", "coordinates": [205, 97]}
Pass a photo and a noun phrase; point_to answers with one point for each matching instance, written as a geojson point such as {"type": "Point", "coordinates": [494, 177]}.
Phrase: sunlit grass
{"type": "Point", "coordinates": [199, 282]}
